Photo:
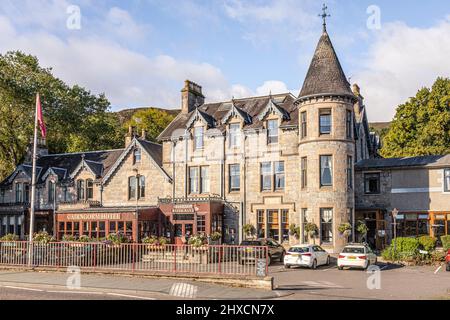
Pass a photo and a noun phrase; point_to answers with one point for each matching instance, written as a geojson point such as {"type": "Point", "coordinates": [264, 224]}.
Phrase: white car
{"type": "Point", "coordinates": [310, 256]}
{"type": "Point", "coordinates": [356, 256]}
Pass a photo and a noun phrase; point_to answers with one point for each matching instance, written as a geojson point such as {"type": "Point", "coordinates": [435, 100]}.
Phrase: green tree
{"type": "Point", "coordinates": [76, 119]}
{"type": "Point", "coordinates": [152, 120]}
{"type": "Point", "coordinates": [421, 125]}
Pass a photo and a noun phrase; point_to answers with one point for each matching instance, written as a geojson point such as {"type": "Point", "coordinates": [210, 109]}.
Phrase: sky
{"type": "Point", "coordinates": [139, 52]}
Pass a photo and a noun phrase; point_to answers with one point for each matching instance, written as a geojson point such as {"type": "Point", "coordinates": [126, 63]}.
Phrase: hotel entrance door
{"type": "Point", "coordinates": [182, 230]}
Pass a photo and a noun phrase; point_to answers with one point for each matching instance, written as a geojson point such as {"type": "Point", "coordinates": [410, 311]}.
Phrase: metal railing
{"type": "Point", "coordinates": [139, 258]}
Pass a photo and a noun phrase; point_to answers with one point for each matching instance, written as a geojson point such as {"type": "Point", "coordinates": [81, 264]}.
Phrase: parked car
{"type": "Point", "coordinates": [447, 260]}
{"type": "Point", "coordinates": [356, 256]}
{"type": "Point", "coordinates": [249, 253]}
{"type": "Point", "coordinates": [310, 256]}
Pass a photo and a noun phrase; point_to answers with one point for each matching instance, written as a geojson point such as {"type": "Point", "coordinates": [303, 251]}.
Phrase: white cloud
{"type": "Point", "coordinates": [273, 87]}
{"type": "Point", "coordinates": [274, 20]}
{"type": "Point", "coordinates": [401, 61]}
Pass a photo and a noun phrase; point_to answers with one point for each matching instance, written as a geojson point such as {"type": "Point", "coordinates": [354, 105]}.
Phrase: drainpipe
{"type": "Point", "coordinates": [174, 143]}
{"type": "Point", "coordinates": [186, 142]}
{"type": "Point", "coordinates": [244, 204]}
{"type": "Point", "coordinates": [222, 171]}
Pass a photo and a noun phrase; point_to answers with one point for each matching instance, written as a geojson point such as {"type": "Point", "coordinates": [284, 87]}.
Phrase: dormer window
{"type": "Point", "coordinates": [19, 192]}
{"type": "Point", "coordinates": [272, 131]}
{"type": "Point", "coordinates": [235, 135]}
{"type": "Point", "coordinates": [89, 189]}
{"type": "Point", "coordinates": [137, 156]}
{"type": "Point", "coordinates": [80, 190]}
{"type": "Point", "coordinates": [325, 122]}
{"type": "Point", "coordinates": [198, 138]}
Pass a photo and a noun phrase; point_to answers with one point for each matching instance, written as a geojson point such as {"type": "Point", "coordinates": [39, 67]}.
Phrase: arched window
{"type": "Point", "coordinates": [132, 188]}
{"type": "Point", "coordinates": [141, 187]}
{"type": "Point", "coordinates": [89, 189]}
{"type": "Point", "coordinates": [80, 190]}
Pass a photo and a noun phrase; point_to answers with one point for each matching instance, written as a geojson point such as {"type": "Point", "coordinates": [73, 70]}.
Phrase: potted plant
{"type": "Point", "coordinates": [249, 230]}
{"type": "Point", "coordinates": [345, 229]}
{"type": "Point", "coordinates": [43, 238]}
{"type": "Point", "coordinates": [216, 237]}
{"type": "Point", "coordinates": [362, 230]}
{"type": "Point", "coordinates": [294, 231]}
{"type": "Point", "coordinates": [311, 230]}
{"type": "Point", "coordinates": [10, 238]}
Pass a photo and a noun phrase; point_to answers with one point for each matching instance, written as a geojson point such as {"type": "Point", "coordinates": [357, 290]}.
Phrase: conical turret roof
{"type": "Point", "coordinates": [325, 75]}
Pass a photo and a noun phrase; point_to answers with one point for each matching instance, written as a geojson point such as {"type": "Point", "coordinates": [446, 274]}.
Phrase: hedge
{"type": "Point", "coordinates": [427, 243]}
{"type": "Point", "coordinates": [446, 242]}
{"type": "Point", "coordinates": [405, 249]}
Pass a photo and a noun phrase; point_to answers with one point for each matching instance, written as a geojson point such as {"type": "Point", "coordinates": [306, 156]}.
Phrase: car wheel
{"type": "Point", "coordinates": [340, 268]}
{"type": "Point", "coordinates": [367, 266]}
{"type": "Point", "coordinates": [286, 266]}
{"type": "Point", "coordinates": [314, 265]}
{"type": "Point", "coordinates": [269, 260]}
{"type": "Point", "coordinates": [328, 261]}
{"type": "Point", "coordinates": [282, 257]}
{"type": "Point", "coordinates": [448, 266]}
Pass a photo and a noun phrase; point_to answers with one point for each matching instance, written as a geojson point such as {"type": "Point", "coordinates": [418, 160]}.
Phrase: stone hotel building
{"type": "Point", "coordinates": [270, 162]}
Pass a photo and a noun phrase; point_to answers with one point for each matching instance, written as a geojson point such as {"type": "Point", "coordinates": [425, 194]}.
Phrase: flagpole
{"type": "Point", "coordinates": [33, 179]}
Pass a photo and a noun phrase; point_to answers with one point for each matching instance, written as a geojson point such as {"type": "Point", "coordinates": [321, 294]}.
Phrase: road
{"type": "Point", "coordinates": [325, 283]}
{"type": "Point", "coordinates": [395, 282]}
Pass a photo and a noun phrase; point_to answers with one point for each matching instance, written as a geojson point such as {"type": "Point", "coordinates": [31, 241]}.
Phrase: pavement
{"type": "Point", "coordinates": [390, 282]}
{"type": "Point", "coordinates": [168, 289]}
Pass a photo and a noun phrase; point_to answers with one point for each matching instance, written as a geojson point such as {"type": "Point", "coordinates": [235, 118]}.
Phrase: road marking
{"type": "Point", "coordinates": [183, 290]}
{"type": "Point", "coordinates": [321, 284]}
{"type": "Point", "coordinates": [438, 269]}
{"type": "Point", "coordinates": [77, 292]}
{"type": "Point", "coordinates": [130, 296]}
{"type": "Point", "coordinates": [21, 288]}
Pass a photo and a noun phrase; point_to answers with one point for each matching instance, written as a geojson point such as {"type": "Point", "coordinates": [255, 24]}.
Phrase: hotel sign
{"type": "Point", "coordinates": [183, 209]}
{"type": "Point", "coordinates": [94, 217]}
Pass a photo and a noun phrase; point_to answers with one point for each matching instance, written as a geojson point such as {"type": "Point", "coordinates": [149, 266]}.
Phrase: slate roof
{"type": "Point", "coordinates": [425, 161]}
{"type": "Point", "coordinates": [155, 150]}
{"type": "Point", "coordinates": [250, 106]}
{"type": "Point", "coordinates": [100, 162]}
{"type": "Point", "coordinates": [325, 75]}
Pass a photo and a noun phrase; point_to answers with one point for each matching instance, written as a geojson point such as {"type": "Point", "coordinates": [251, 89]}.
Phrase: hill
{"type": "Point", "coordinates": [126, 114]}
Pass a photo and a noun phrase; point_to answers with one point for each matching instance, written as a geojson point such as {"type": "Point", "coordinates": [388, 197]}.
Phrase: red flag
{"type": "Point", "coordinates": [40, 117]}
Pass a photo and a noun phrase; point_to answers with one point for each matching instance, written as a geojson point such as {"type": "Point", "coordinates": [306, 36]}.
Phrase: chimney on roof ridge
{"type": "Point", "coordinates": [130, 136]}
{"type": "Point", "coordinates": [191, 97]}
{"type": "Point", "coordinates": [144, 134]}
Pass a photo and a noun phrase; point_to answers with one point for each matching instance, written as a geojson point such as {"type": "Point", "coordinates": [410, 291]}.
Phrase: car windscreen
{"type": "Point", "coordinates": [355, 250]}
{"type": "Point", "coordinates": [250, 243]}
{"type": "Point", "coordinates": [299, 250]}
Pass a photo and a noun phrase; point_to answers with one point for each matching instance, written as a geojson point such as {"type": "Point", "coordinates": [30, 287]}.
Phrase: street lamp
{"type": "Point", "coordinates": [53, 182]}
{"type": "Point", "coordinates": [394, 215]}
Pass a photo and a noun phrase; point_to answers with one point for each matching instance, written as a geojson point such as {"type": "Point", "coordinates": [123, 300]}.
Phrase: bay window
{"type": "Point", "coordinates": [326, 171]}
{"type": "Point", "coordinates": [235, 177]}
{"type": "Point", "coordinates": [326, 225]}
{"type": "Point", "coordinates": [325, 122]}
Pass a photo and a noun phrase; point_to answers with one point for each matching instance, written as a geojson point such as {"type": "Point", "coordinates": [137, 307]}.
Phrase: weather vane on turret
{"type": "Point", "coordinates": [324, 16]}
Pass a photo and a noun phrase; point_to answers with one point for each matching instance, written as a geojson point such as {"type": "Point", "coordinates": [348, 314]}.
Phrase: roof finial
{"type": "Point", "coordinates": [324, 16]}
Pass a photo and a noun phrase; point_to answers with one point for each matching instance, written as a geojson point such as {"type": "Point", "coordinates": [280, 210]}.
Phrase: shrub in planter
{"type": "Point", "coordinates": [216, 236]}
{"type": "Point", "coordinates": [345, 229]}
{"type": "Point", "coordinates": [197, 241]}
{"type": "Point", "coordinates": [446, 242]}
{"type": "Point", "coordinates": [10, 237]}
{"type": "Point", "coordinates": [68, 238]}
{"type": "Point", "coordinates": [116, 238]}
{"type": "Point", "coordinates": [43, 237]}
{"type": "Point", "coordinates": [311, 230]}
{"type": "Point", "coordinates": [163, 241]}
{"type": "Point", "coordinates": [153, 240]}
{"type": "Point", "coordinates": [84, 239]}
{"type": "Point", "coordinates": [427, 243]}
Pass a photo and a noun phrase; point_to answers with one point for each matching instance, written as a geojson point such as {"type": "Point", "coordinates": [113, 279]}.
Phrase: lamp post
{"type": "Point", "coordinates": [53, 182]}
{"type": "Point", "coordinates": [394, 215]}
{"type": "Point", "coordinates": [137, 198]}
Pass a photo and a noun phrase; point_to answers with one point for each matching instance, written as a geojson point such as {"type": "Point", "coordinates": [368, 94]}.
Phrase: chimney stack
{"type": "Point", "coordinates": [130, 136]}
{"type": "Point", "coordinates": [191, 97]}
{"type": "Point", "coordinates": [356, 90]}
{"type": "Point", "coordinates": [42, 149]}
{"type": "Point", "coordinates": [144, 134]}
